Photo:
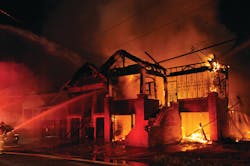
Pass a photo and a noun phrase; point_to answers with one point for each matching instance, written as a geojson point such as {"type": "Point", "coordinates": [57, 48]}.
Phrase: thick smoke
{"type": "Point", "coordinates": [164, 28]}
{"type": "Point", "coordinates": [239, 75]}
{"type": "Point", "coordinates": [235, 16]}
{"type": "Point", "coordinates": [49, 64]}
{"type": "Point", "coordinates": [96, 29]}
{"type": "Point", "coordinates": [73, 24]}
{"type": "Point", "coordinates": [16, 79]}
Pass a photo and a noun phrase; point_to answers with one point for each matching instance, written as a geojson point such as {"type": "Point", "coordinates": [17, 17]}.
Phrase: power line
{"type": "Point", "coordinates": [192, 52]}
{"type": "Point", "coordinates": [8, 15]}
{"type": "Point", "coordinates": [166, 24]}
{"type": "Point", "coordinates": [151, 6]}
{"type": "Point", "coordinates": [126, 19]}
{"type": "Point", "coordinates": [150, 57]}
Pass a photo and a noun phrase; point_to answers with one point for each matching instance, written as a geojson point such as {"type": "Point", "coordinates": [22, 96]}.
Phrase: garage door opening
{"type": "Point", "coordinates": [122, 125]}
{"type": "Point", "coordinates": [195, 127]}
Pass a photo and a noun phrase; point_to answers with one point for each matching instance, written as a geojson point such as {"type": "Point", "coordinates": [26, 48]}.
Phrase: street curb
{"type": "Point", "coordinates": [65, 158]}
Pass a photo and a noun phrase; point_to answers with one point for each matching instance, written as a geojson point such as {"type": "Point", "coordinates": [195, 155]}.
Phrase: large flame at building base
{"type": "Point", "coordinates": [196, 137]}
{"type": "Point", "coordinates": [195, 127]}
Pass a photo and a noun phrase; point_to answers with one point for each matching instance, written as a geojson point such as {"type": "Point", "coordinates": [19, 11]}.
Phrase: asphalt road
{"type": "Point", "coordinates": [19, 159]}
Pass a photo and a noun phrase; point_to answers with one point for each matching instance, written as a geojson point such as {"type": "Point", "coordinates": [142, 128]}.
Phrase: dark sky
{"type": "Point", "coordinates": [164, 28]}
{"type": "Point", "coordinates": [68, 22]}
{"type": "Point", "coordinates": [33, 15]}
{"type": "Point", "coordinates": [95, 29]}
{"type": "Point", "coordinates": [30, 15]}
{"type": "Point", "coordinates": [37, 15]}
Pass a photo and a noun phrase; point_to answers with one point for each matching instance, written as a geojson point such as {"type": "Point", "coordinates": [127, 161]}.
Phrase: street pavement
{"type": "Point", "coordinates": [25, 159]}
{"type": "Point", "coordinates": [119, 154]}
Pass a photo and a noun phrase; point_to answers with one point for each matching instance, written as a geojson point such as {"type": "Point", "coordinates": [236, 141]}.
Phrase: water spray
{"type": "Point", "coordinates": [53, 109]}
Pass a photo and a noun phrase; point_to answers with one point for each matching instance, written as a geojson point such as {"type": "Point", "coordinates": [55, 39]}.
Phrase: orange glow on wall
{"type": "Point", "coordinates": [193, 85]}
{"type": "Point", "coordinates": [191, 129]}
{"type": "Point", "coordinates": [154, 88]}
{"type": "Point", "coordinates": [127, 87]}
{"type": "Point", "coordinates": [122, 126]}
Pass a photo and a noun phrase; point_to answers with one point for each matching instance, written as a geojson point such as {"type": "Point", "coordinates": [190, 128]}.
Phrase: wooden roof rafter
{"type": "Point", "coordinates": [154, 69]}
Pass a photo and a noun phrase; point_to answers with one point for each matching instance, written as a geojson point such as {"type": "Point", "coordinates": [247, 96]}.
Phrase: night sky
{"type": "Point", "coordinates": [30, 15]}
{"type": "Point", "coordinates": [83, 26]}
{"type": "Point", "coordinates": [33, 15]}
{"type": "Point", "coordinates": [53, 19]}
{"type": "Point", "coordinates": [94, 29]}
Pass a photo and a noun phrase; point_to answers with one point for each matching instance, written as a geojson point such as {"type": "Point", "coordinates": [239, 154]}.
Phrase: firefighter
{"type": "Point", "coordinates": [2, 135]}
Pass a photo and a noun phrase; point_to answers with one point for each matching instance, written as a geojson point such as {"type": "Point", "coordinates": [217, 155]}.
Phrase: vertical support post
{"type": "Point", "coordinates": [68, 127]}
{"type": "Point", "coordinates": [93, 118]}
{"type": "Point", "coordinates": [166, 91]}
{"type": "Point", "coordinates": [142, 80]}
{"type": "Point", "coordinates": [213, 115]}
{"type": "Point", "coordinates": [138, 136]}
{"type": "Point", "coordinates": [141, 83]}
{"type": "Point", "coordinates": [107, 119]}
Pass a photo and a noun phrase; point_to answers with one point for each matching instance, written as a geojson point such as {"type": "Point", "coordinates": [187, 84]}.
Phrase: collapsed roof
{"type": "Point", "coordinates": [123, 63]}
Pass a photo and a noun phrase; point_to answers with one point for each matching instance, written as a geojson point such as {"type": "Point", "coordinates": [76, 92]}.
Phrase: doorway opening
{"type": "Point", "coordinates": [122, 125]}
{"type": "Point", "coordinates": [75, 129]}
{"type": "Point", "coordinates": [99, 129]}
{"type": "Point", "coordinates": [195, 126]}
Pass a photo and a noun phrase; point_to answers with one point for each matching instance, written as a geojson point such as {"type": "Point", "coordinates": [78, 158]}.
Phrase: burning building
{"type": "Point", "coordinates": [140, 103]}
{"type": "Point", "coordinates": [134, 90]}
{"type": "Point", "coordinates": [129, 99]}
{"type": "Point", "coordinates": [145, 104]}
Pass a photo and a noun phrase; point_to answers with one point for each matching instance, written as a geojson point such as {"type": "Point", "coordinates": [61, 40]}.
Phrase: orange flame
{"type": "Point", "coordinates": [196, 137]}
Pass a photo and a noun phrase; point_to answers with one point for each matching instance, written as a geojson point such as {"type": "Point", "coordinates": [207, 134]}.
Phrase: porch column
{"type": "Point", "coordinates": [107, 119]}
{"type": "Point", "coordinates": [213, 116]}
{"type": "Point", "coordinates": [142, 80]}
{"type": "Point", "coordinates": [138, 136]}
{"type": "Point", "coordinates": [93, 110]}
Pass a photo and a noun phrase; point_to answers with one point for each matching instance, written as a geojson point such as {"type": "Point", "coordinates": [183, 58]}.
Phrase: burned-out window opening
{"type": "Point", "coordinates": [99, 104]}
{"type": "Point", "coordinates": [87, 113]}
{"type": "Point", "coordinates": [150, 88]}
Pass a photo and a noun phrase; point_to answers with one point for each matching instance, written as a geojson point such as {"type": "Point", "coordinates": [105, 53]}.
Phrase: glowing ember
{"type": "Point", "coordinates": [192, 128]}
{"type": "Point", "coordinates": [196, 137]}
{"type": "Point", "coordinates": [216, 66]}
{"type": "Point", "coordinates": [213, 89]}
